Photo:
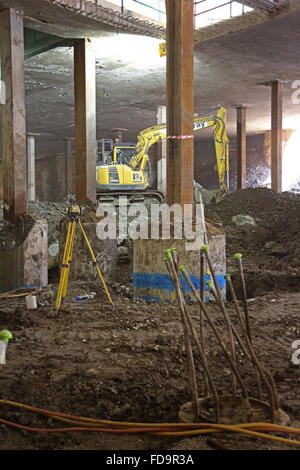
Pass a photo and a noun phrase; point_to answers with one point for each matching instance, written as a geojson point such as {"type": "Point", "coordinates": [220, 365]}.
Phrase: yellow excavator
{"type": "Point", "coordinates": [127, 170]}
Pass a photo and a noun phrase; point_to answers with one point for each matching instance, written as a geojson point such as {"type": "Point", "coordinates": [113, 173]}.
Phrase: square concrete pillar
{"type": "Point", "coordinates": [151, 280]}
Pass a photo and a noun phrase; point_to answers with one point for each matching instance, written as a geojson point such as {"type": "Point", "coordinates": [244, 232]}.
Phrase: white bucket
{"type": "Point", "coordinates": [31, 302]}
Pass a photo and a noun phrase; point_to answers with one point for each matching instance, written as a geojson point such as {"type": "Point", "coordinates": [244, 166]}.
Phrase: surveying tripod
{"type": "Point", "coordinates": [74, 214]}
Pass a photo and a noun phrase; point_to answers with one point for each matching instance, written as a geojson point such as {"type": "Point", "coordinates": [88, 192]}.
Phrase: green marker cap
{"type": "Point", "coordinates": [209, 284]}
{"type": "Point", "coordinates": [182, 268]}
{"type": "Point", "coordinates": [173, 250]}
{"type": "Point", "coordinates": [227, 276]}
{"type": "Point", "coordinates": [168, 254]}
{"type": "Point", "coordinates": [5, 336]}
{"type": "Point", "coordinates": [204, 248]}
{"type": "Point", "coordinates": [238, 256]}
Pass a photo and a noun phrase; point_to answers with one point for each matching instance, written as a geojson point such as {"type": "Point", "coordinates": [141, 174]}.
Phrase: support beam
{"type": "Point", "coordinates": [162, 154]}
{"type": "Point", "coordinates": [13, 114]}
{"type": "Point", "coordinates": [68, 165]}
{"type": "Point", "coordinates": [31, 165]}
{"type": "Point", "coordinates": [180, 101]}
{"type": "Point", "coordinates": [241, 146]}
{"type": "Point", "coordinates": [276, 145]}
{"type": "Point", "coordinates": [85, 121]}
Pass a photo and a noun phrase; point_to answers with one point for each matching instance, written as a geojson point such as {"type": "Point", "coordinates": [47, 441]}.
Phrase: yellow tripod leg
{"type": "Point", "coordinates": [71, 246]}
{"type": "Point", "coordinates": [95, 262]}
{"type": "Point", "coordinates": [64, 265]}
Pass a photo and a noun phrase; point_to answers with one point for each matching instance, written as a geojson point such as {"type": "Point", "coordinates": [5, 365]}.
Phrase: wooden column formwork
{"type": "Point", "coordinates": [180, 101]}
{"type": "Point", "coordinates": [13, 114]}
{"type": "Point", "coordinates": [85, 121]}
{"type": "Point", "coordinates": [276, 144]}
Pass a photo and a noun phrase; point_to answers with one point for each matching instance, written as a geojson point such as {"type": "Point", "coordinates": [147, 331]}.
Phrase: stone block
{"type": "Point", "coordinates": [24, 258]}
{"type": "Point", "coordinates": [151, 280]}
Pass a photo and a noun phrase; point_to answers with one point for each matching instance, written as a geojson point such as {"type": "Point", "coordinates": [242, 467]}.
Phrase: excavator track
{"type": "Point", "coordinates": [147, 197]}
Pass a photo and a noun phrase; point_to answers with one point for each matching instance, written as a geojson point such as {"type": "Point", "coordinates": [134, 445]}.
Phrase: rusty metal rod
{"type": "Point", "coordinates": [235, 334]}
{"type": "Point", "coordinates": [204, 249]}
{"type": "Point", "coordinates": [229, 328]}
{"type": "Point", "coordinates": [262, 371]}
{"type": "Point", "coordinates": [202, 346]}
{"type": "Point", "coordinates": [188, 347]}
{"type": "Point", "coordinates": [202, 294]}
{"type": "Point", "coordinates": [238, 257]}
{"type": "Point", "coordinates": [274, 402]}
{"type": "Point", "coordinates": [202, 353]}
{"type": "Point", "coordinates": [202, 337]}
{"type": "Point", "coordinates": [220, 341]}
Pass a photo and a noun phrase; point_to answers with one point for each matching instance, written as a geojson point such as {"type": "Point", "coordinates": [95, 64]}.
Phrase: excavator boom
{"type": "Point", "coordinates": [135, 173]}
{"type": "Point", "coordinates": [157, 133]}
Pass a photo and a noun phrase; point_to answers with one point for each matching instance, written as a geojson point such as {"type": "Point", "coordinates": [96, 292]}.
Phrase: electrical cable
{"type": "Point", "coordinates": [83, 424]}
{"type": "Point", "coordinates": [10, 295]}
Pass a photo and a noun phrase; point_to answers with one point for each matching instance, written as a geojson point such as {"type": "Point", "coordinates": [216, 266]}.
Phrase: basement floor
{"type": "Point", "coordinates": [130, 365]}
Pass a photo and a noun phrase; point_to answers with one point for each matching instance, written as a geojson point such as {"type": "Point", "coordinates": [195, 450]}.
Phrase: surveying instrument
{"type": "Point", "coordinates": [74, 213]}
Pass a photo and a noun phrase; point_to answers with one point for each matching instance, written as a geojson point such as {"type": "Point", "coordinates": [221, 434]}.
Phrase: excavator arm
{"type": "Point", "coordinates": [154, 134]}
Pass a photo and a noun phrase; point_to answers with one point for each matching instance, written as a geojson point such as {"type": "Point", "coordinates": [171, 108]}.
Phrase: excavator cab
{"type": "Point", "coordinates": [122, 153]}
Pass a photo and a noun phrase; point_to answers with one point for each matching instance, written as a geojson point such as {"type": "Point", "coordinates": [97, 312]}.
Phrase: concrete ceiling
{"type": "Point", "coordinates": [131, 80]}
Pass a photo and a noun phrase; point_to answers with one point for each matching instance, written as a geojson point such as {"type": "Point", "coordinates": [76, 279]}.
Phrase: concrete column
{"type": "Point", "coordinates": [68, 165]}
{"type": "Point", "coordinates": [276, 143]}
{"type": "Point", "coordinates": [13, 114]}
{"type": "Point", "coordinates": [85, 121]}
{"type": "Point", "coordinates": [241, 146]}
{"type": "Point", "coordinates": [31, 166]}
{"type": "Point", "coordinates": [180, 101]}
{"type": "Point", "coordinates": [162, 154]}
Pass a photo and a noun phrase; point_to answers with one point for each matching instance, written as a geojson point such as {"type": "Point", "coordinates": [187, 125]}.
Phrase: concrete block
{"type": "Point", "coordinates": [24, 259]}
{"type": "Point", "coordinates": [151, 280]}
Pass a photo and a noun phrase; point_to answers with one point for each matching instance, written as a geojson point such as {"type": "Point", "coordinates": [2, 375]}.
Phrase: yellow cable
{"type": "Point", "coordinates": [12, 296]}
{"type": "Point", "coordinates": [214, 428]}
{"type": "Point", "coordinates": [234, 428]}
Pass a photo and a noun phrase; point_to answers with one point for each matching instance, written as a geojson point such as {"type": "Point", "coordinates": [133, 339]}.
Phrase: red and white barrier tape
{"type": "Point", "coordinates": [180, 137]}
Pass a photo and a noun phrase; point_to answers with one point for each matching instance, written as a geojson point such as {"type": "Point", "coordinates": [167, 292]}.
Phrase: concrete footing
{"type": "Point", "coordinates": [24, 258]}
{"type": "Point", "coordinates": [105, 252]}
{"type": "Point", "coordinates": [151, 280]}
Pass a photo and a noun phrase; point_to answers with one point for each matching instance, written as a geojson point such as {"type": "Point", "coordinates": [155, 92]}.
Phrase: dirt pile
{"type": "Point", "coordinates": [129, 364]}
{"type": "Point", "coordinates": [271, 247]}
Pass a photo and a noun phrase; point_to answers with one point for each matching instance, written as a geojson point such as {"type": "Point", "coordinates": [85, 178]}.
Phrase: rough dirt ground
{"type": "Point", "coordinates": [129, 365]}
{"type": "Point", "coordinates": [271, 247]}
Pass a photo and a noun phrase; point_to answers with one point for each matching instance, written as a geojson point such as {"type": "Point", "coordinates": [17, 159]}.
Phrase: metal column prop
{"type": "Point", "coordinates": [68, 165]}
{"type": "Point", "coordinates": [276, 146]}
{"type": "Point", "coordinates": [241, 146]}
{"type": "Point", "coordinates": [31, 165]}
{"type": "Point", "coordinates": [161, 154]}
{"type": "Point", "coordinates": [13, 114]}
{"type": "Point", "coordinates": [85, 121]}
{"type": "Point", "coordinates": [180, 101]}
